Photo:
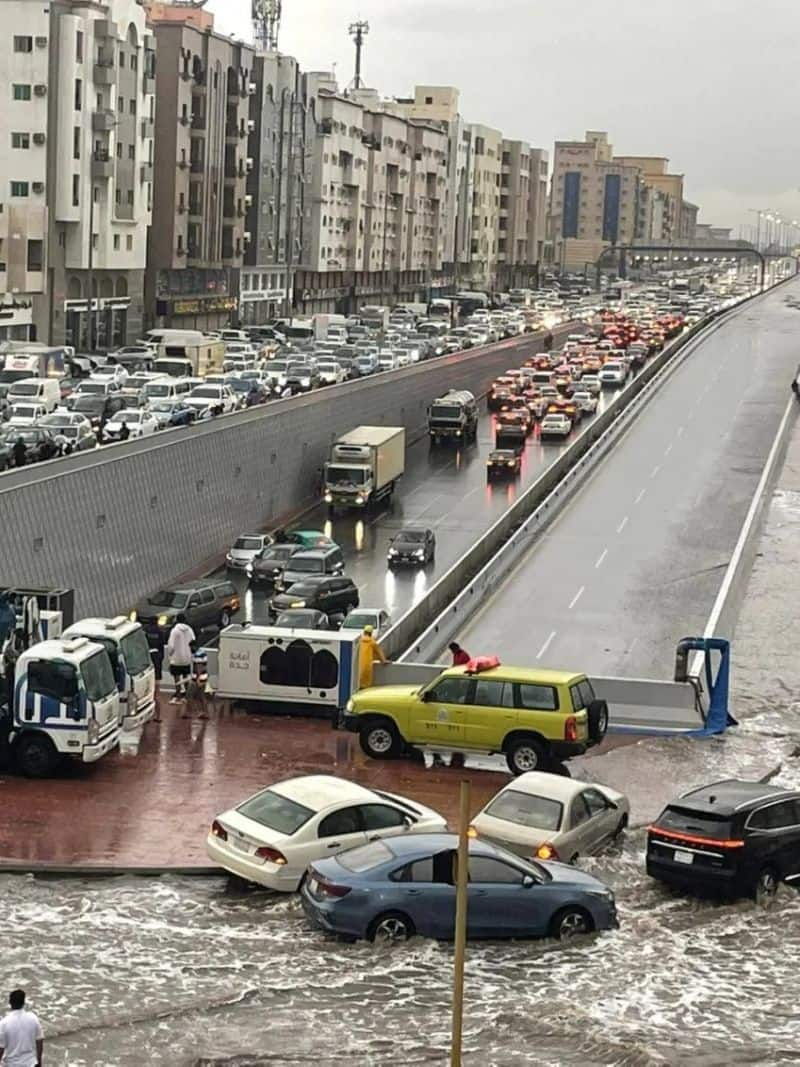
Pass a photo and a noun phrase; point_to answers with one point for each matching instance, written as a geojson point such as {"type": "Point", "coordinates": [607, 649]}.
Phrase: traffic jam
{"type": "Point", "coordinates": [369, 863]}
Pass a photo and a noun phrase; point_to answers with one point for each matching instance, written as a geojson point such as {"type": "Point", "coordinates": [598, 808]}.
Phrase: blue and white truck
{"type": "Point", "coordinates": [64, 704]}
{"type": "Point", "coordinates": [127, 647]}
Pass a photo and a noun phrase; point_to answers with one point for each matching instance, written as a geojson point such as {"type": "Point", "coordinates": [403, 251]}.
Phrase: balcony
{"type": "Point", "coordinates": [102, 164]}
{"type": "Point", "coordinates": [104, 28]}
{"type": "Point", "coordinates": [231, 132]}
{"type": "Point", "coordinates": [195, 211]}
{"type": "Point", "coordinates": [104, 71]}
{"type": "Point", "coordinates": [148, 81]}
{"type": "Point", "coordinates": [146, 172]}
{"type": "Point", "coordinates": [196, 166]}
{"type": "Point", "coordinates": [147, 127]}
{"type": "Point", "coordinates": [198, 121]}
{"type": "Point", "coordinates": [103, 120]}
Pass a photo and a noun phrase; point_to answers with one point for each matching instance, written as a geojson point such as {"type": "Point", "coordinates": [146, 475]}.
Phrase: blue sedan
{"type": "Point", "coordinates": [391, 889]}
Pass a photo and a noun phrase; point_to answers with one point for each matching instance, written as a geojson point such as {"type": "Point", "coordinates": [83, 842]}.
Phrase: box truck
{"type": "Point", "coordinates": [364, 465]}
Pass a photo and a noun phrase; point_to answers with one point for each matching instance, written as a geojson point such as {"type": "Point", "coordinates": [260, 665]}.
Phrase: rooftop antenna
{"type": "Point", "coordinates": [358, 31]}
{"type": "Point", "coordinates": [266, 16]}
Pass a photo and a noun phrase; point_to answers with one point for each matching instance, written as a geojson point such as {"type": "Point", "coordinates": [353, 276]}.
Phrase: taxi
{"type": "Point", "coordinates": [533, 717]}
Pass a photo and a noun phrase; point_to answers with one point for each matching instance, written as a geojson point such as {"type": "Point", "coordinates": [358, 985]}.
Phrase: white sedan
{"type": "Point", "coordinates": [140, 423]}
{"type": "Point", "coordinates": [549, 817]}
{"type": "Point", "coordinates": [204, 397]}
{"type": "Point", "coordinates": [111, 372]}
{"type": "Point", "coordinates": [555, 424]}
{"type": "Point", "coordinates": [273, 836]}
{"type": "Point", "coordinates": [585, 400]}
{"type": "Point", "coordinates": [377, 618]}
{"type": "Point", "coordinates": [330, 372]}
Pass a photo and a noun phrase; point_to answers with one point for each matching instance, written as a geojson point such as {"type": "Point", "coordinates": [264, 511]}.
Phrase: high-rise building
{"type": "Point", "coordinates": [487, 152]}
{"type": "Point", "coordinates": [198, 237]}
{"type": "Point", "coordinates": [76, 133]}
{"type": "Point", "coordinates": [689, 213]}
{"type": "Point", "coordinates": [669, 193]}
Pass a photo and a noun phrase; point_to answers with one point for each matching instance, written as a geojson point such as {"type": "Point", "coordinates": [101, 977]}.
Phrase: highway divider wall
{"type": "Point", "coordinates": [420, 635]}
{"type": "Point", "coordinates": [115, 523]}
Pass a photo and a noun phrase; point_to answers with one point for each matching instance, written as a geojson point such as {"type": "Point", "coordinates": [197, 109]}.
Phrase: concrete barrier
{"type": "Point", "coordinates": [430, 624]}
{"type": "Point", "coordinates": [114, 523]}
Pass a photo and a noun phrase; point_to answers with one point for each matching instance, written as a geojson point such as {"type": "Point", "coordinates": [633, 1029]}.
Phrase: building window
{"type": "Point", "coordinates": [121, 58]}
{"type": "Point", "coordinates": [119, 149]}
{"type": "Point", "coordinates": [129, 243]}
{"type": "Point", "coordinates": [19, 188]}
{"type": "Point", "coordinates": [20, 140]}
{"type": "Point", "coordinates": [428, 99]}
{"type": "Point", "coordinates": [131, 151]}
{"type": "Point", "coordinates": [121, 104]}
{"type": "Point", "coordinates": [76, 142]}
{"type": "Point", "coordinates": [118, 195]}
{"type": "Point", "coordinates": [23, 44]}
{"type": "Point", "coordinates": [21, 92]}
{"type": "Point", "coordinates": [79, 46]}
{"type": "Point", "coordinates": [94, 240]}
{"type": "Point", "coordinates": [76, 190]}
{"type": "Point", "coordinates": [116, 242]}
{"type": "Point", "coordinates": [134, 63]}
{"type": "Point", "coordinates": [130, 196]}
{"type": "Point", "coordinates": [78, 94]}
{"type": "Point", "coordinates": [133, 105]}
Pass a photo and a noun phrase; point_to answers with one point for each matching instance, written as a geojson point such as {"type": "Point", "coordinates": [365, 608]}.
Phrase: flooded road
{"type": "Point", "coordinates": [185, 971]}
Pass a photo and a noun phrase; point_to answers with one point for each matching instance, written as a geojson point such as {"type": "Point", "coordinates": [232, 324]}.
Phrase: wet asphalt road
{"type": "Point", "coordinates": [635, 561]}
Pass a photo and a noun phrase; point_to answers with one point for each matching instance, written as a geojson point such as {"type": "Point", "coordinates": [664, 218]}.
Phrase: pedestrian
{"type": "Point", "coordinates": [125, 431]}
{"type": "Point", "coordinates": [796, 384]}
{"type": "Point", "coordinates": [196, 688]}
{"type": "Point", "coordinates": [369, 653]}
{"type": "Point", "coordinates": [179, 652]}
{"type": "Point", "coordinates": [19, 452]}
{"type": "Point", "coordinates": [8, 618]}
{"type": "Point", "coordinates": [13, 647]}
{"type": "Point", "coordinates": [460, 657]}
{"type": "Point", "coordinates": [21, 1035]}
{"type": "Point", "coordinates": [157, 656]}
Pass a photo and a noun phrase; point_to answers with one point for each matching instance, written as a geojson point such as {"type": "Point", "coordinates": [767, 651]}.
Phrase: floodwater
{"type": "Point", "coordinates": [184, 971]}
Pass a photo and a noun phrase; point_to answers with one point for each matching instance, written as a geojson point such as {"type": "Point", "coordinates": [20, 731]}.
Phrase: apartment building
{"type": "Point", "coordinates": [537, 208]}
{"type": "Point", "coordinates": [281, 128]}
{"type": "Point", "coordinates": [487, 153]}
{"type": "Point", "coordinates": [594, 200]}
{"type": "Point", "coordinates": [80, 80]}
{"type": "Point", "coordinates": [202, 126]}
{"type": "Point", "coordinates": [688, 226]}
{"type": "Point", "coordinates": [513, 265]}
{"type": "Point", "coordinates": [669, 188]}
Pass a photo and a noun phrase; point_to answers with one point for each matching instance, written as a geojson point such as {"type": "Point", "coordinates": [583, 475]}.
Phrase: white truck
{"type": "Point", "coordinates": [129, 652]}
{"type": "Point", "coordinates": [364, 466]}
{"type": "Point", "coordinates": [65, 704]}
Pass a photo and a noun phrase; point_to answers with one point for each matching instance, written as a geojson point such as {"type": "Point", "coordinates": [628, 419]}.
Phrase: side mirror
{"type": "Point", "coordinates": [611, 804]}
{"type": "Point", "coordinates": [425, 697]}
{"type": "Point", "coordinates": [528, 881]}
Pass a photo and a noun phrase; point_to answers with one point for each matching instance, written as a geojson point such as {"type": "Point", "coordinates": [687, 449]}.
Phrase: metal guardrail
{"type": "Point", "coordinates": [425, 629]}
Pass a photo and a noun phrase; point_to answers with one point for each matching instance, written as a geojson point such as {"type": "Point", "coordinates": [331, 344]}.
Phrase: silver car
{"type": "Point", "coordinates": [245, 549]}
{"type": "Point", "coordinates": [547, 816]}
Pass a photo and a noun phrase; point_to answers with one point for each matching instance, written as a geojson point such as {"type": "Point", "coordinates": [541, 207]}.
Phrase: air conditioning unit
{"type": "Point", "coordinates": [251, 125]}
{"type": "Point", "coordinates": [38, 187]}
{"type": "Point", "coordinates": [41, 42]}
{"type": "Point", "coordinates": [251, 89]}
{"type": "Point", "coordinates": [248, 200]}
{"type": "Point", "coordinates": [39, 138]}
{"type": "Point", "coordinates": [40, 90]}
{"type": "Point", "coordinates": [247, 235]}
{"type": "Point", "coordinates": [248, 164]}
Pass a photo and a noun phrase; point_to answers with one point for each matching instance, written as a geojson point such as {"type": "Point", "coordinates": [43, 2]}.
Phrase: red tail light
{"type": "Point", "coordinates": [674, 835]}
{"type": "Point", "coordinates": [330, 889]}
{"type": "Point", "coordinates": [571, 729]}
{"type": "Point", "coordinates": [271, 855]}
{"type": "Point", "coordinates": [218, 830]}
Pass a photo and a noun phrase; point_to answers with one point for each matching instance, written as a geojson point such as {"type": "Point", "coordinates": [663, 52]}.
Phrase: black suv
{"type": "Point", "coordinates": [731, 838]}
{"type": "Point", "coordinates": [206, 602]}
{"type": "Point", "coordinates": [310, 563]}
{"type": "Point", "coordinates": [333, 596]}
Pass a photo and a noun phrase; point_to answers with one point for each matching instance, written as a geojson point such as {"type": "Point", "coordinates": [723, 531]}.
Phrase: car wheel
{"type": "Point", "coordinates": [380, 739]}
{"type": "Point", "coordinates": [526, 754]}
{"type": "Point", "coordinates": [598, 720]}
{"type": "Point", "coordinates": [225, 618]}
{"type": "Point", "coordinates": [571, 922]}
{"type": "Point", "coordinates": [36, 756]}
{"type": "Point", "coordinates": [622, 826]}
{"type": "Point", "coordinates": [766, 887]}
{"type": "Point", "coordinates": [390, 928]}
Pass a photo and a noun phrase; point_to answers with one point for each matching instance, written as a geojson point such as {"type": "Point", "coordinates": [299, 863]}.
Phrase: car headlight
{"type": "Point", "coordinates": [349, 705]}
{"type": "Point", "coordinates": [132, 616]}
{"type": "Point", "coordinates": [359, 498]}
{"type": "Point", "coordinates": [249, 570]}
{"type": "Point", "coordinates": [328, 498]}
{"type": "Point", "coordinates": [92, 732]}
{"type": "Point", "coordinates": [419, 553]}
{"type": "Point", "coordinates": [392, 551]}
{"type": "Point", "coordinates": [305, 381]}
{"type": "Point", "coordinates": [162, 620]}
{"type": "Point", "coordinates": [229, 557]}
{"type": "Point", "coordinates": [298, 604]}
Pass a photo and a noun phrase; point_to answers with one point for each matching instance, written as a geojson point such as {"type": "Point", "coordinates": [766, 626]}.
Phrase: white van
{"type": "Point", "coordinates": [154, 338]}
{"type": "Point", "coordinates": [44, 391]}
{"type": "Point", "coordinates": [166, 389]}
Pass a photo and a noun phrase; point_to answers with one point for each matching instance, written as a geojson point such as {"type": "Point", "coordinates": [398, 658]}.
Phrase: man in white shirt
{"type": "Point", "coordinates": [179, 651]}
{"type": "Point", "coordinates": [21, 1037]}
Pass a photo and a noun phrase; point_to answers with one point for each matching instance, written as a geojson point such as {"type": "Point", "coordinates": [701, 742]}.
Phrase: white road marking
{"type": "Point", "coordinates": [546, 645]}
{"type": "Point", "coordinates": [654, 471]}
{"type": "Point", "coordinates": [602, 556]}
{"type": "Point", "coordinates": [622, 525]}
{"type": "Point", "coordinates": [668, 449]}
{"type": "Point", "coordinates": [576, 598]}
{"type": "Point", "coordinates": [639, 497]}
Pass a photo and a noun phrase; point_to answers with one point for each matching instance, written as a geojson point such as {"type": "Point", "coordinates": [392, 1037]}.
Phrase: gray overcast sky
{"type": "Point", "coordinates": [708, 83]}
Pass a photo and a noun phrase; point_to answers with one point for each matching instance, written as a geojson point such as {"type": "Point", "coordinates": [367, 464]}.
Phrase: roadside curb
{"type": "Point", "coordinates": [55, 870]}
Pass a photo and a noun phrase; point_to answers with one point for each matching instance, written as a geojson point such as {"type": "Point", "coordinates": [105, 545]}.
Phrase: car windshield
{"type": "Point", "coordinates": [69, 431]}
{"type": "Point", "coordinates": [307, 566]}
{"type": "Point", "coordinates": [445, 411]}
{"type": "Point", "coordinates": [345, 475]}
{"type": "Point", "coordinates": [296, 618]}
{"type": "Point", "coordinates": [302, 369]}
{"type": "Point", "coordinates": [95, 388]}
{"type": "Point", "coordinates": [695, 822]}
{"type": "Point", "coordinates": [357, 620]}
{"type": "Point", "coordinates": [105, 372]}
{"type": "Point", "coordinates": [366, 857]}
{"type": "Point", "coordinates": [24, 411]}
{"type": "Point", "coordinates": [158, 390]}
{"type": "Point", "coordinates": [276, 812]}
{"type": "Point", "coordinates": [164, 598]}
{"type": "Point", "coordinates": [411, 535]}
{"type": "Point", "coordinates": [98, 677]}
{"type": "Point", "coordinates": [87, 403]}
{"type": "Point", "coordinates": [26, 389]}
{"type": "Point", "coordinates": [279, 553]}
{"type": "Point", "coordinates": [276, 366]}
{"type": "Point", "coordinates": [542, 813]}
{"type": "Point", "coordinates": [304, 588]}
{"type": "Point", "coordinates": [129, 415]}
{"type": "Point", "coordinates": [249, 544]}
{"type": "Point", "coordinates": [135, 651]}
{"type": "Point", "coordinates": [206, 391]}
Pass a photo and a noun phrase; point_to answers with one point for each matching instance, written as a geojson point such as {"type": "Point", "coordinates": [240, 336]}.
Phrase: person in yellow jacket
{"type": "Point", "coordinates": [369, 652]}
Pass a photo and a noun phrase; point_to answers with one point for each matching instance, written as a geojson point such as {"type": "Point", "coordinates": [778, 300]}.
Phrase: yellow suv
{"type": "Point", "coordinates": [532, 716]}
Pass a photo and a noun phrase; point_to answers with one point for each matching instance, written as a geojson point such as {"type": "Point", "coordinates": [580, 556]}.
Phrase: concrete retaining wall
{"type": "Point", "coordinates": [114, 523]}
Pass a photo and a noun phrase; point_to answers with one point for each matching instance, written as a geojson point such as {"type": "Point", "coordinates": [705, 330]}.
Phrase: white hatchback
{"type": "Point", "coordinates": [273, 836]}
{"type": "Point", "coordinates": [550, 817]}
